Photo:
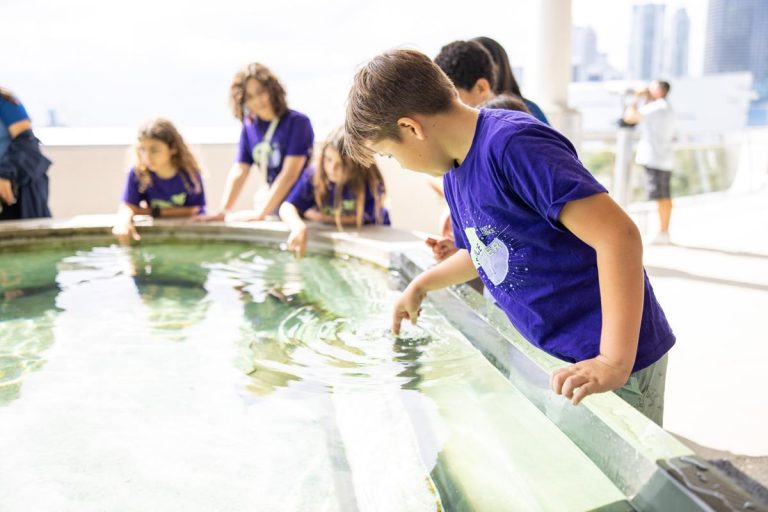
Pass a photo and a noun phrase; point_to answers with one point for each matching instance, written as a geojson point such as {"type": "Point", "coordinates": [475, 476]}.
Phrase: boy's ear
{"type": "Point", "coordinates": [409, 125]}
{"type": "Point", "coordinates": [482, 87]}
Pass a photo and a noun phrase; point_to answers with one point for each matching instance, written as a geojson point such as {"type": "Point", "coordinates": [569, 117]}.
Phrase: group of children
{"type": "Point", "coordinates": [560, 258]}
{"type": "Point", "coordinates": [166, 180]}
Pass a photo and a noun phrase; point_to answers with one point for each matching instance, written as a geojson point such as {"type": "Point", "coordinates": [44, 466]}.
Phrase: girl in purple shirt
{"type": "Point", "coordinates": [165, 182]}
{"type": "Point", "coordinates": [274, 139]}
{"type": "Point", "coordinates": [339, 192]}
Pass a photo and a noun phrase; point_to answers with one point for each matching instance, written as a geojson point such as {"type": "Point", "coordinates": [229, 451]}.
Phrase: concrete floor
{"type": "Point", "coordinates": [712, 282]}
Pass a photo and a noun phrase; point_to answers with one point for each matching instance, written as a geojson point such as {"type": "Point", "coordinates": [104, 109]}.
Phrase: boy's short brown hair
{"type": "Point", "coordinates": [392, 85]}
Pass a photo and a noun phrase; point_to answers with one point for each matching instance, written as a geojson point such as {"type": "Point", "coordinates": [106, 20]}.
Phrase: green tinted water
{"type": "Point", "coordinates": [227, 377]}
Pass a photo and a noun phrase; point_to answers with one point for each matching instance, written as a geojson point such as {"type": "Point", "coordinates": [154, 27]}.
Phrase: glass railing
{"type": "Point", "coordinates": [703, 163]}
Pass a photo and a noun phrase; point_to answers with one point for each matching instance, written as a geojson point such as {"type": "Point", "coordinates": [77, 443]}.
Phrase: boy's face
{"type": "Point", "coordinates": [413, 154]}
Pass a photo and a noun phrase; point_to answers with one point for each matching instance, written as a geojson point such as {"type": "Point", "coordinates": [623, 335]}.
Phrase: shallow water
{"type": "Point", "coordinates": [222, 376]}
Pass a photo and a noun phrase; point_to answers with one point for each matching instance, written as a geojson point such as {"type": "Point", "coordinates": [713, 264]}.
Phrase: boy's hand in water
{"type": "Point", "coordinates": [590, 376]}
{"type": "Point", "coordinates": [441, 249]}
{"type": "Point", "coordinates": [297, 241]}
{"type": "Point", "coordinates": [125, 233]}
{"type": "Point", "coordinates": [408, 306]}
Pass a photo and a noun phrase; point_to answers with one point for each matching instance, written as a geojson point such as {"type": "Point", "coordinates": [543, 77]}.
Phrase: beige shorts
{"type": "Point", "coordinates": [645, 390]}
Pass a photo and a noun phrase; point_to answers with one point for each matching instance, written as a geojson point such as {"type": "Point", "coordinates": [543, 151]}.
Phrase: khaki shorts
{"type": "Point", "coordinates": [645, 390]}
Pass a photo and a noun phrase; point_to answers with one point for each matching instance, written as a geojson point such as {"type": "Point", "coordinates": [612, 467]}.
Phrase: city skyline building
{"type": "Point", "coordinates": [678, 43]}
{"type": "Point", "coordinates": [646, 41]}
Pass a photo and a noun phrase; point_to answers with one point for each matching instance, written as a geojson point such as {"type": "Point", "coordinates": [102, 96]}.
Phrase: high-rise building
{"type": "Point", "coordinates": [676, 59]}
{"type": "Point", "coordinates": [737, 40]}
{"type": "Point", "coordinates": [589, 64]}
{"type": "Point", "coordinates": [647, 41]}
{"type": "Point", "coordinates": [584, 53]}
{"type": "Point", "coordinates": [737, 37]}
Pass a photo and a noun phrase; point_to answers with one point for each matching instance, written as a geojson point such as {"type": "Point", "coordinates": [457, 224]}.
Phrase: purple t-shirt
{"type": "Point", "coordinates": [302, 196]}
{"type": "Point", "coordinates": [293, 137]}
{"type": "Point", "coordinates": [175, 192]}
{"type": "Point", "coordinates": [505, 200]}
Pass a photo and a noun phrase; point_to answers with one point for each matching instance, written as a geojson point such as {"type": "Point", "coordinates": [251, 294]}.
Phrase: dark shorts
{"type": "Point", "coordinates": [657, 183]}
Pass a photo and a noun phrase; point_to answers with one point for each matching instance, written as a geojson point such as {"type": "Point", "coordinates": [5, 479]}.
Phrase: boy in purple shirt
{"type": "Point", "coordinates": [558, 255]}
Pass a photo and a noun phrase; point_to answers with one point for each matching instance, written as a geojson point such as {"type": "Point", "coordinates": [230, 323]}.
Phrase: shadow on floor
{"type": "Point", "coordinates": [669, 272]}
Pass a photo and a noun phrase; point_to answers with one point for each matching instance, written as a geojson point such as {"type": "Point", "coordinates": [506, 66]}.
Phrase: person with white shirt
{"type": "Point", "coordinates": [656, 120]}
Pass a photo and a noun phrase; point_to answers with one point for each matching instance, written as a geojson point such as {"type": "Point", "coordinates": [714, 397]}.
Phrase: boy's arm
{"type": "Point", "coordinates": [456, 269]}
{"type": "Point", "coordinates": [601, 223]}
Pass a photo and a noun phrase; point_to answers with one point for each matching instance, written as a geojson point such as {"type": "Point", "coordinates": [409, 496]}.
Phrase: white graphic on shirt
{"type": "Point", "coordinates": [492, 258]}
{"type": "Point", "coordinates": [275, 156]}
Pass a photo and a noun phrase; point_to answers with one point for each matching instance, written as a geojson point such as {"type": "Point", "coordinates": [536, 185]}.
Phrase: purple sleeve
{"type": "Point", "coordinates": [244, 153]}
{"type": "Point", "coordinates": [301, 137]}
{"type": "Point", "coordinates": [458, 235]}
{"type": "Point", "coordinates": [541, 167]}
{"type": "Point", "coordinates": [11, 113]}
{"type": "Point", "coordinates": [131, 194]}
{"type": "Point", "coordinates": [302, 195]}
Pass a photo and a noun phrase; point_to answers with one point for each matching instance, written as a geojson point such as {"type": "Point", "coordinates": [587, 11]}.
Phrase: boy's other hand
{"type": "Point", "coordinates": [441, 249]}
{"type": "Point", "coordinates": [408, 306]}
{"type": "Point", "coordinates": [587, 377]}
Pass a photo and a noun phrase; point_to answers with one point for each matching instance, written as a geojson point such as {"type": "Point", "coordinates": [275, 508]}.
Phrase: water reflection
{"type": "Point", "coordinates": [171, 283]}
{"type": "Point", "coordinates": [28, 291]}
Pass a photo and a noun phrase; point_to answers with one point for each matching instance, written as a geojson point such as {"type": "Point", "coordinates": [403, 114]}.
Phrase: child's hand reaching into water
{"type": "Point", "coordinates": [125, 232]}
{"type": "Point", "coordinates": [408, 306]}
{"type": "Point", "coordinates": [590, 376]}
{"type": "Point", "coordinates": [297, 241]}
{"type": "Point", "coordinates": [441, 249]}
